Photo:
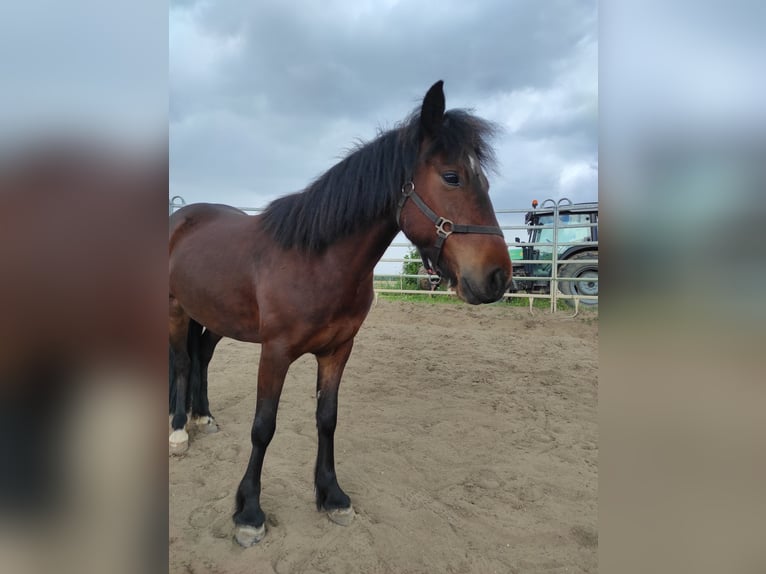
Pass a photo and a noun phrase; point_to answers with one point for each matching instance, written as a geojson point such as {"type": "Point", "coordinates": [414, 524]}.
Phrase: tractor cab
{"type": "Point", "coordinates": [569, 229]}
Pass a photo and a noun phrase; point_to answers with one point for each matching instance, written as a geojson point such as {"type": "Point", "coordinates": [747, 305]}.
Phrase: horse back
{"type": "Point", "coordinates": [196, 215]}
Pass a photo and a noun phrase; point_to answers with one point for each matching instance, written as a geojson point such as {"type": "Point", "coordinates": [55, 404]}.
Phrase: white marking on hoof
{"type": "Point", "coordinates": [206, 424]}
{"type": "Point", "coordinates": [246, 536]}
{"type": "Point", "coordinates": [342, 516]}
{"type": "Point", "coordinates": [179, 441]}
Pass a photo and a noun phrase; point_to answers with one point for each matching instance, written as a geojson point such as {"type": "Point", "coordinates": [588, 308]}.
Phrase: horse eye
{"type": "Point", "coordinates": [451, 178]}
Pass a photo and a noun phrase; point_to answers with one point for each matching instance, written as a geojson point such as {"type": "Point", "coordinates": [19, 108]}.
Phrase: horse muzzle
{"type": "Point", "coordinates": [488, 289]}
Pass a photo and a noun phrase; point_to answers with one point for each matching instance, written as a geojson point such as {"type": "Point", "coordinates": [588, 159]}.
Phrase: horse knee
{"type": "Point", "coordinates": [263, 430]}
{"type": "Point", "coordinates": [327, 419]}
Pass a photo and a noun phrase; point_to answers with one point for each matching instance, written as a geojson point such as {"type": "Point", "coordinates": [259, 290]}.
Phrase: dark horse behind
{"type": "Point", "coordinates": [233, 275]}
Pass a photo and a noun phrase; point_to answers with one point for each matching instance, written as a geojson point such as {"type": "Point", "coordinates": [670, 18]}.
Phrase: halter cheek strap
{"type": "Point", "coordinates": [444, 226]}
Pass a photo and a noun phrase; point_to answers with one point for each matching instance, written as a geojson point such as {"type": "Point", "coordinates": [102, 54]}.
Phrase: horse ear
{"type": "Point", "coordinates": [432, 112]}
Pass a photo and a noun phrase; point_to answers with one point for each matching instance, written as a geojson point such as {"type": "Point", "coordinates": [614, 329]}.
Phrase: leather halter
{"type": "Point", "coordinates": [444, 227]}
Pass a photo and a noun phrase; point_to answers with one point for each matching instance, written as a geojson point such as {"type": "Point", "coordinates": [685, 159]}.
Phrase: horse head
{"type": "Point", "coordinates": [445, 209]}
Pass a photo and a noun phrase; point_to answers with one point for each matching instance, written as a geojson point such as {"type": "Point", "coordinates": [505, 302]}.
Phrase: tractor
{"type": "Point", "coordinates": [576, 257]}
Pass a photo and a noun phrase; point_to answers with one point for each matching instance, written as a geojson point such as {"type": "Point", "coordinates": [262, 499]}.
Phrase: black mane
{"type": "Point", "coordinates": [364, 187]}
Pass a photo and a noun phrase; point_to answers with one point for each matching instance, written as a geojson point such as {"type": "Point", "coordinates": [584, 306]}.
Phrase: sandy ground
{"type": "Point", "coordinates": [467, 440]}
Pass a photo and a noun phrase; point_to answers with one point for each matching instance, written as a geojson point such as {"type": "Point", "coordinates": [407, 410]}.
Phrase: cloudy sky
{"type": "Point", "coordinates": [265, 96]}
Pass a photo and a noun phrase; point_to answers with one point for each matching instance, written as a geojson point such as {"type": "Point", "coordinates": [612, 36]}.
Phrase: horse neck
{"type": "Point", "coordinates": [363, 249]}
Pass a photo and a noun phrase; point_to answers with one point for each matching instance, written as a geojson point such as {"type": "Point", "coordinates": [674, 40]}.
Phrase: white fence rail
{"type": "Point", "coordinates": [547, 287]}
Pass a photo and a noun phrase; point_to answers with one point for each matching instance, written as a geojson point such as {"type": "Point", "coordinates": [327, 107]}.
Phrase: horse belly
{"type": "Point", "coordinates": [224, 313]}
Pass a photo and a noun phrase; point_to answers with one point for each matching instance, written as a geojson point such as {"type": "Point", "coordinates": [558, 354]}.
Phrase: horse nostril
{"type": "Point", "coordinates": [498, 280]}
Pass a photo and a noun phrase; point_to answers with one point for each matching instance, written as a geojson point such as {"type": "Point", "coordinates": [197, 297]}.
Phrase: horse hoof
{"type": "Point", "coordinates": [206, 425]}
{"type": "Point", "coordinates": [342, 516]}
{"type": "Point", "coordinates": [246, 536]}
{"type": "Point", "coordinates": [179, 442]}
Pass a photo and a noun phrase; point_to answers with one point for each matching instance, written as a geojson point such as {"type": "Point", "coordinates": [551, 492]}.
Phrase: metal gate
{"type": "Point", "coordinates": [383, 281]}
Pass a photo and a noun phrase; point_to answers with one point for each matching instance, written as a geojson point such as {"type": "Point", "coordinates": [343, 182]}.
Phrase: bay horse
{"type": "Point", "coordinates": [236, 274]}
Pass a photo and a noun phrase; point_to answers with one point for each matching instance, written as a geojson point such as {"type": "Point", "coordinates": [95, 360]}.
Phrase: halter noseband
{"type": "Point", "coordinates": [444, 228]}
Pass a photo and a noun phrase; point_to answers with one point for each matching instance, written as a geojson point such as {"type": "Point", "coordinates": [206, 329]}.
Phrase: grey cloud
{"type": "Point", "coordinates": [294, 84]}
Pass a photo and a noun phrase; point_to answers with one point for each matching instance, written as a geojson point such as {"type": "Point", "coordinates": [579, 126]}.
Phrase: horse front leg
{"type": "Point", "coordinates": [329, 496]}
{"type": "Point", "coordinates": [249, 518]}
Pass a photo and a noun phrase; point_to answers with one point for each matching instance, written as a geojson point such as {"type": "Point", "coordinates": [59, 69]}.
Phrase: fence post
{"type": "Point", "coordinates": [176, 202]}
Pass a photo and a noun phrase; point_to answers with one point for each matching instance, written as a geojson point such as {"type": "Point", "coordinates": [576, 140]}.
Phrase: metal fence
{"type": "Point", "coordinates": [398, 282]}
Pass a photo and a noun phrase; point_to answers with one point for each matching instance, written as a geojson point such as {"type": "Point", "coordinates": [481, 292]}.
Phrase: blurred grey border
{"type": "Point", "coordinates": [87, 73]}
{"type": "Point", "coordinates": [681, 403]}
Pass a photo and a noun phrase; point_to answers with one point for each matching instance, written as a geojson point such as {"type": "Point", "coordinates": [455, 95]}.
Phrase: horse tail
{"type": "Point", "coordinates": [194, 346]}
{"type": "Point", "coordinates": [193, 339]}
{"type": "Point", "coordinates": [172, 382]}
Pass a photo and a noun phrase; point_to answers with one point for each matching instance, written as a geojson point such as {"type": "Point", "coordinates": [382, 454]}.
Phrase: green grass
{"type": "Point", "coordinates": [453, 300]}
{"type": "Point", "coordinates": [424, 298]}
{"type": "Point", "coordinates": [395, 282]}
{"type": "Point", "coordinates": [522, 302]}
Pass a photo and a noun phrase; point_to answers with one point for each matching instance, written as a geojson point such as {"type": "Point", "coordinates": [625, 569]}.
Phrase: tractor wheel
{"type": "Point", "coordinates": [580, 270]}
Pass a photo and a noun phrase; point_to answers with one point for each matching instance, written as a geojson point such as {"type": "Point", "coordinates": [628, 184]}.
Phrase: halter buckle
{"type": "Point", "coordinates": [408, 188]}
{"type": "Point", "coordinates": [441, 227]}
